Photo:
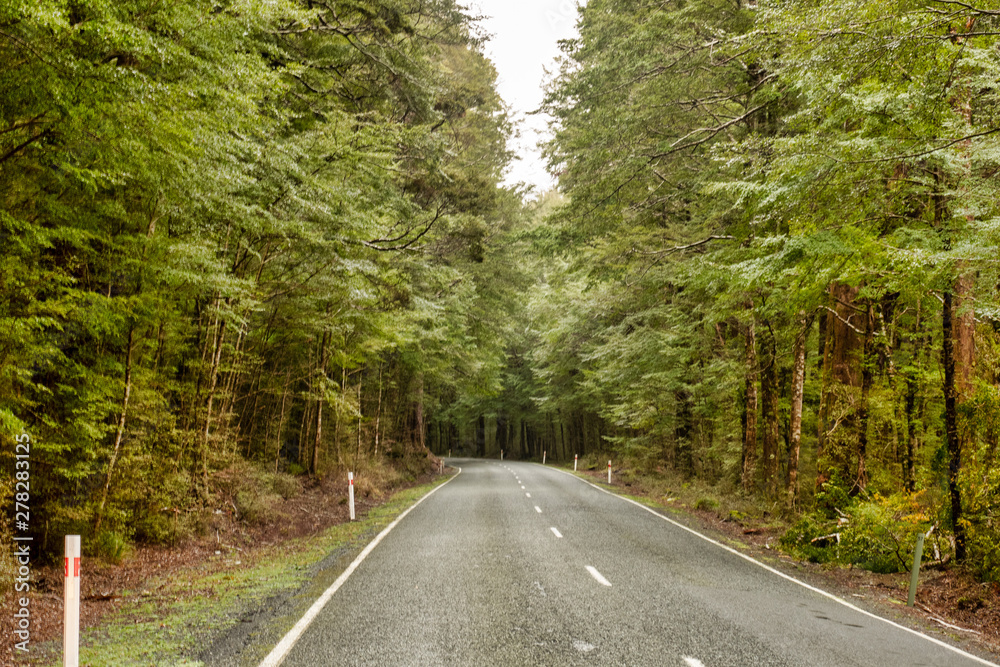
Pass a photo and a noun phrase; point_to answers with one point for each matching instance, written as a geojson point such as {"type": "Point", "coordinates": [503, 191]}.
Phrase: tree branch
{"type": "Point", "coordinates": [977, 10]}
{"type": "Point", "coordinates": [14, 151]}
{"type": "Point", "coordinates": [679, 248]}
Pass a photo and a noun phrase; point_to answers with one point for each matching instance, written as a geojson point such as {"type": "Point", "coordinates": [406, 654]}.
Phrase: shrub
{"type": "Point", "coordinates": [286, 485]}
{"type": "Point", "coordinates": [112, 546]}
{"type": "Point", "coordinates": [255, 505]}
{"type": "Point", "coordinates": [882, 532]}
{"type": "Point", "coordinates": [154, 528]}
{"type": "Point", "coordinates": [834, 494]}
{"type": "Point", "coordinates": [706, 504]}
{"type": "Point", "coordinates": [799, 539]}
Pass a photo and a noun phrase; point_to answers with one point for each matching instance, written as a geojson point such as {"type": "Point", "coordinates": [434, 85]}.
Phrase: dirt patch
{"type": "Point", "coordinates": [148, 569]}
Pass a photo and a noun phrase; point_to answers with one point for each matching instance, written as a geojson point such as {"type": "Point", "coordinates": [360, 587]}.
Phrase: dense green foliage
{"type": "Point", "coordinates": [775, 267]}
{"type": "Point", "coordinates": [238, 230]}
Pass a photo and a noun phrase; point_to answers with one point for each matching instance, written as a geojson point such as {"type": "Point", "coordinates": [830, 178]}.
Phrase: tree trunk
{"type": "Point", "coordinates": [840, 375]}
{"type": "Point", "coordinates": [683, 432]}
{"type": "Point", "coordinates": [337, 417]}
{"type": "Point", "coordinates": [160, 338]}
{"type": "Point", "coordinates": [562, 439]}
{"type": "Point", "coordinates": [951, 425]}
{"type": "Point", "coordinates": [303, 453]}
{"type": "Point", "coordinates": [213, 382]}
{"type": "Point", "coordinates": [750, 430]}
{"type": "Point", "coordinates": [769, 391]}
{"type": "Point", "coordinates": [255, 391]}
{"type": "Point", "coordinates": [798, 391]}
{"type": "Point", "coordinates": [867, 379]}
{"type": "Point", "coordinates": [319, 390]}
{"type": "Point", "coordinates": [281, 419]}
{"type": "Point", "coordinates": [420, 412]}
{"type": "Point", "coordinates": [378, 412]}
{"type": "Point", "coordinates": [909, 454]}
{"type": "Point", "coordinates": [229, 386]}
{"type": "Point", "coordinates": [481, 435]}
{"type": "Point", "coordinates": [964, 324]}
{"type": "Point", "coordinates": [120, 431]}
{"type": "Point", "coordinates": [357, 456]}
{"type": "Point", "coordinates": [501, 432]}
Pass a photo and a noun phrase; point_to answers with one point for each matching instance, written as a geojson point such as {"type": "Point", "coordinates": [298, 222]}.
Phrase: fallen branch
{"type": "Point", "coordinates": [946, 624]}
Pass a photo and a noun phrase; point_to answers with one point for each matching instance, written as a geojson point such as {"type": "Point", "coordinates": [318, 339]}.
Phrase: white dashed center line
{"type": "Point", "coordinates": [597, 575]}
{"type": "Point", "coordinates": [555, 531]}
{"type": "Point", "coordinates": [528, 494]}
{"type": "Point", "coordinates": [693, 662]}
{"type": "Point", "coordinates": [538, 509]}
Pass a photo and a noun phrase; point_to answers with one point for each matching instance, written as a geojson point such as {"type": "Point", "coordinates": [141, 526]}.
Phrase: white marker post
{"type": "Point", "coordinates": [71, 613]}
{"type": "Point", "coordinates": [574, 462]}
{"type": "Point", "coordinates": [543, 456]}
{"type": "Point", "coordinates": [350, 492]}
{"type": "Point", "coordinates": [501, 455]}
{"type": "Point", "coordinates": [609, 472]}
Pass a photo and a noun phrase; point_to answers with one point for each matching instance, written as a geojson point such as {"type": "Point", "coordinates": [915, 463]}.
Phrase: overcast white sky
{"type": "Point", "coordinates": [524, 35]}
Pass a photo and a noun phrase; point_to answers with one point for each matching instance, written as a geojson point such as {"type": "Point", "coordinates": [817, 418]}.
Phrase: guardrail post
{"type": "Point", "coordinates": [350, 492]}
{"type": "Point", "coordinates": [918, 552]}
{"type": "Point", "coordinates": [71, 611]}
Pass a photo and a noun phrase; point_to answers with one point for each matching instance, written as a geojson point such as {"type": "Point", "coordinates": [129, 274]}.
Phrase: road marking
{"type": "Point", "coordinates": [781, 574]}
{"type": "Point", "coordinates": [522, 486]}
{"type": "Point", "coordinates": [597, 575]}
{"type": "Point", "coordinates": [693, 662]}
{"type": "Point", "coordinates": [555, 531]}
{"type": "Point", "coordinates": [538, 509]}
{"type": "Point", "coordinates": [280, 652]}
{"type": "Point", "coordinates": [528, 494]}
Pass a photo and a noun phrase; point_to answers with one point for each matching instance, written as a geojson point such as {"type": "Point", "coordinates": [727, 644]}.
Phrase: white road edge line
{"type": "Point", "coordinates": [280, 652]}
{"type": "Point", "coordinates": [693, 662]}
{"type": "Point", "coordinates": [597, 575]}
{"type": "Point", "coordinates": [781, 574]}
{"type": "Point", "coordinates": [555, 531]}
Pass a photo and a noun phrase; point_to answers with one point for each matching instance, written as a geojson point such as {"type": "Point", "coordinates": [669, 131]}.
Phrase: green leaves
{"type": "Point", "coordinates": [235, 213]}
{"type": "Point", "coordinates": [732, 173]}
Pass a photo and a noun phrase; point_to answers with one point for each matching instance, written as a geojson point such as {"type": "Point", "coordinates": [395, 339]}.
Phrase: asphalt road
{"type": "Point", "coordinates": [516, 564]}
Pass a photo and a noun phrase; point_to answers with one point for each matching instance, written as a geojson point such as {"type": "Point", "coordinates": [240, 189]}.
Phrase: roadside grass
{"type": "Point", "coordinates": [197, 605]}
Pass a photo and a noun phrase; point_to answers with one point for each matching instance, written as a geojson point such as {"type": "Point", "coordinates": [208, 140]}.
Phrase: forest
{"type": "Point", "coordinates": [273, 237]}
